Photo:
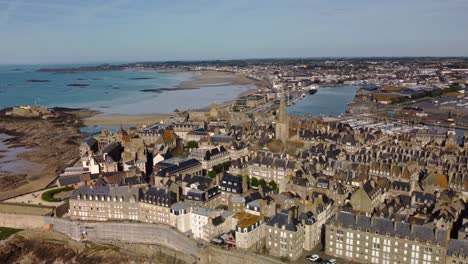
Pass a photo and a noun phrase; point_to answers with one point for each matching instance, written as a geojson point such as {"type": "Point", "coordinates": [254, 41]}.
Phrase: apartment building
{"type": "Point", "coordinates": [155, 206]}
{"type": "Point", "coordinates": [199, 217]}
{"type": "Point", "coordinates": [271, 167]}
{"type": "Point", "coordinates": [380, 240]}
{"type": "Point", "coordinates": [103, 203]}
{"type": "Point", "coordinates": [250, 230]}
{"type": "Point", "coordinates": [210, 157]}
{"type": "Point", "coordinates": [285, 235]}
{"type": "Point", "coordinates": [180, 216]}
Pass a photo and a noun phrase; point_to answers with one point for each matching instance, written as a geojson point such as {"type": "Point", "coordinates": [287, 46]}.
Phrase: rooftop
{"type": "Point", "coordinates": [246, 219]}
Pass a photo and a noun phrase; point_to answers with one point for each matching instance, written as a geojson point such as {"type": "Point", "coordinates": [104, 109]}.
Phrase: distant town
{"type": "Point", "coordinates": [384, 182]}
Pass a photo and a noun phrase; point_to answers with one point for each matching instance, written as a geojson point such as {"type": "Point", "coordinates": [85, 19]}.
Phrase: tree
{"type": "Point", "coordinates": [212, 174]}
{"type": "Point", "coordinates": [262, 182]}
{"type": "Point", "coordinates": [253, 182]}
{"type": "Point", "coordinates": [273, 184]}
{"type": "Point", "coordinates": [192, 144]}
{"type": "Point", "coordinates": [222, 167]}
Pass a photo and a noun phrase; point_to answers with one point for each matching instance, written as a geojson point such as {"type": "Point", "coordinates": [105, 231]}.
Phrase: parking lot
{"type": "Point", "coordinates": [317, 250]}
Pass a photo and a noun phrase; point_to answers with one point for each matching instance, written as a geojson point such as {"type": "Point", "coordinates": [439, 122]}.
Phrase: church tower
{"type": "Point", "coordinates": [282, 121]}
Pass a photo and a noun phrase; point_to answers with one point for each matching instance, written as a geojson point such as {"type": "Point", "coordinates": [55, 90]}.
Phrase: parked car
{"type": "Point", "coordinates": [313, 258]}
{"type": "Point", "coordinates": [332, 261]}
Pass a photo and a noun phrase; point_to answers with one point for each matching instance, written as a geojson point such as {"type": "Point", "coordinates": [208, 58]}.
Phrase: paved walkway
{"type": "Point", "coordinates": [33, 198]}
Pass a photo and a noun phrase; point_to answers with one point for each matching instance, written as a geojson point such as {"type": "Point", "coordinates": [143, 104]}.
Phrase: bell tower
{"type": "Point", "coordinates": [282, 121]}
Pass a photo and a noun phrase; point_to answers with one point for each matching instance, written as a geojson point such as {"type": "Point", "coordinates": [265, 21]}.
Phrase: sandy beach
{"type": "Point", "coordinates": [200, 79]}
{"type": "Point", "coordinates": [128, 120]}
{"type": "Point", "coordinates": [216, 78]}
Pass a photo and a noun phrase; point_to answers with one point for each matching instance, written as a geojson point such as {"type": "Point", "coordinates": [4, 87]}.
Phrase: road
{"type": "Point", "coordinates": [317, 250]}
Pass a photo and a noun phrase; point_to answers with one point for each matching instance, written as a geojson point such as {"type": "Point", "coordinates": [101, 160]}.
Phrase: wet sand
{"type": "Point", "coordinates": [122, 119]}
{"type": "Point", "coordinates": [216, 78]}
{"type": "Point", "coordinates": [50, 145]}
{"type": "Point", "coordinates": [9, 162]}
{"type": "Point", "coordinates": [200, 79]}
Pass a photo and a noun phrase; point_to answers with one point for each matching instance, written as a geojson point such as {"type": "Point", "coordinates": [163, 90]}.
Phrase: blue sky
{"type": "Point", "coordinates": [67, 31]}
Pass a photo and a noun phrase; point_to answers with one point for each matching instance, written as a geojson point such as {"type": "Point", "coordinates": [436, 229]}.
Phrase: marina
{"type": "Point", "coordinates": [324, 101]}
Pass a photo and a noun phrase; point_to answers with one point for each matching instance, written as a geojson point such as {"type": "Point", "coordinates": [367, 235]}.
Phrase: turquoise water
{"type": "Point", "coordinates": [93, 130]}
{"type": "Point", "coordinates": [329, 101]}
{"type": "Point", "coordinates": [108, 92]}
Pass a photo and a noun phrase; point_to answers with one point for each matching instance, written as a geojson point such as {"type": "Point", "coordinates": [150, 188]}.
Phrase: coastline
{"type": "Point", "coordinates": [200, 80]}
{"type": "Point", "coordinates": [50, 145]}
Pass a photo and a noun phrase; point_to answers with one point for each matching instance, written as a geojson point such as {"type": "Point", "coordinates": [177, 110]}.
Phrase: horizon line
{"type": "Point", "coordinates": [241, 59]}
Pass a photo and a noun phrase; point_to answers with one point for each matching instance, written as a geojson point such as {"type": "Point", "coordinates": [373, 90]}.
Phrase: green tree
{"type": "Point", "coordinates": [262, 182]}
{"type": "Point", "coordinates": [192, 144]}
{"type": "Point", "coordinates": [273, 184]}
{"type": "Point", "coordinates": [253, 182]}
{"type": "Point", "coordinates": [212, 174]}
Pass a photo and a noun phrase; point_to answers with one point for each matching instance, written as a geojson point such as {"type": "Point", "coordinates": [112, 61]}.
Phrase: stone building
{"type": "Point", "coordinates": [457, 252]}
{"type": "Point", "coordinates": [271, 167]}
{"type": "Point", "coordinates": [380, 240]}
{"type": "Point", "coordinates": [103, 203]}
{"type": "Point", "coordinates": [176, 167]}
{"type": "Point", "coordinates": [285, 235]}
{"type": "Point", "coordinates": [238, 150]}
{"type": "Point", "coordinates": [88, 147]}
{"type": "Point", "coordinates": [182, 129]}
{"type": "Point", "coordinates": [233, 184]}
{"type": "Point", "coordinates": [367, 197]}
{"type": "Point", "coordinates": [155, 205]}
{"type": "Point", "coordinates": [250, 230]}
{"type": "Point", "coordinates": [180, 216]}
{"type": "Point", "coordinates": [210, 158]}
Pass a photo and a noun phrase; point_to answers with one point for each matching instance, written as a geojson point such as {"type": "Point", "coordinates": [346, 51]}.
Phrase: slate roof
{"type": "Point", "coordinates": [172, 169]}
{"type": "Point", "coordinates": [281, 220]}
{"type": "Point", "coordinates": [88, 190]}
{"type": "Point", "coordinates": [385, 226]}
{"type": "Point", "coordinates": [457, 247]}
{"type": "Point", "coordinates": [159, 196]}
{"type": "Point", "coordinates": [90, 141]}
{"type": "Point", "coordinates": [272, 162]}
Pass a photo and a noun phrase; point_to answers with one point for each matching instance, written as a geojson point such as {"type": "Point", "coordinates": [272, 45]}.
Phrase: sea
{"type": "Point", "coordinates": [110, 92]}
{"type": "Point", "coordinates": [8, 157]}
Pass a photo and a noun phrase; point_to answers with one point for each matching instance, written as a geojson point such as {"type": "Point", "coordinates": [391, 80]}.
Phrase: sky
{"type": "Point", "coordinates": [83, 31]}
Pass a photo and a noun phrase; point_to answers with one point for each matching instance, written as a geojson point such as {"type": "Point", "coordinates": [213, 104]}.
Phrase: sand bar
{"type": "Point", "coordinates": [200, 79]}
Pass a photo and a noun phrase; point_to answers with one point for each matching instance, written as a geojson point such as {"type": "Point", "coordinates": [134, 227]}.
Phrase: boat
{"type": "Point", "coordinates": [313, 89]}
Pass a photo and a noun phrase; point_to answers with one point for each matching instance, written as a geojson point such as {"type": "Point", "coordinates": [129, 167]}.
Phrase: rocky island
{"type": "Point", "coordinates": [77, 85]}
{"type": "Point", "coordinates": [38, 81]}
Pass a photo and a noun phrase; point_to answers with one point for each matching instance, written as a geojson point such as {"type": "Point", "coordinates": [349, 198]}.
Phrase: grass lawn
{"type": "Point", "coordinates": [6, 232]}
{"type": "Point", "coordinates": [49, 195]}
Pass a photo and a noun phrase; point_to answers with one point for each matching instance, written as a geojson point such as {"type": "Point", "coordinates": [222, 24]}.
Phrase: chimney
{"type": "Point", "coordinates": [290, 216]}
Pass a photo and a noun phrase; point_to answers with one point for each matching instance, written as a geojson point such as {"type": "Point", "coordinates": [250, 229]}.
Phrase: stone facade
{"type": "Point", "coordinates": [379, 240]}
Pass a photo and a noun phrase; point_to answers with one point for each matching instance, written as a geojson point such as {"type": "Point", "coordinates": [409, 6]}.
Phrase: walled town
{"type": "Point", "coordinates": [385, 183]}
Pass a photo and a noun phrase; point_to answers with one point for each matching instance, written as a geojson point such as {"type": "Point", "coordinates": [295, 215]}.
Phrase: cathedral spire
{"type": "Point", "coordinates": [282, 123]}
{"type": "Point", "coordinates": [283, 114]}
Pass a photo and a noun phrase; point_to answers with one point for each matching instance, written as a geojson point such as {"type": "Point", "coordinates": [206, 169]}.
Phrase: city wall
{"type": "Point", "coordinates": [126, 234]}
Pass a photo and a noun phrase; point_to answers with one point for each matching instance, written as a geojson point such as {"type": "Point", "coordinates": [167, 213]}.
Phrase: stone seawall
{"type": "Point", "coordinates": [22, 221]}
{"type": "Point", "coordinates": [187, 249]}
